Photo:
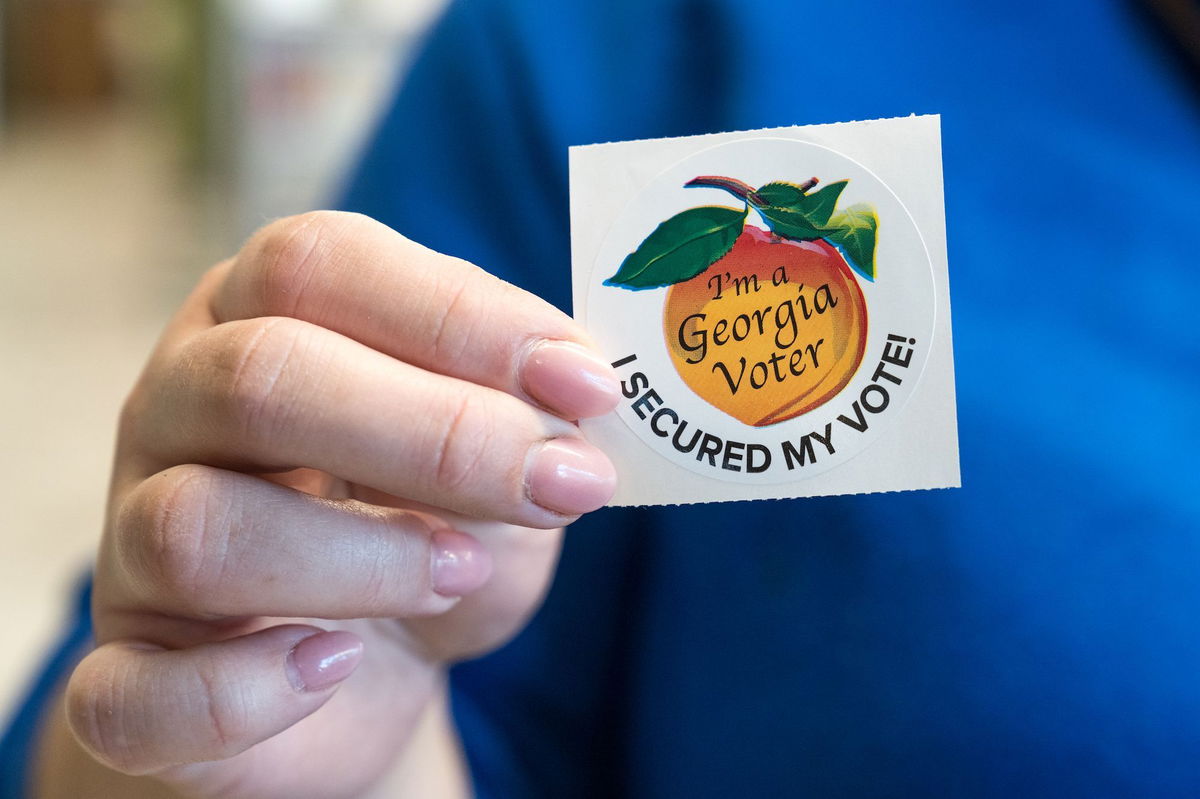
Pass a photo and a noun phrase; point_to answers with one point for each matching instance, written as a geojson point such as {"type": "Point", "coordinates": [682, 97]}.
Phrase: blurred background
{"type": "Point", "coordinates": [140, 142]}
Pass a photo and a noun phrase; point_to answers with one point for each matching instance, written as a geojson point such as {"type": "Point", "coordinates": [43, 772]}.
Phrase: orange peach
{"type": "Point", "coordinates": [772, 330]}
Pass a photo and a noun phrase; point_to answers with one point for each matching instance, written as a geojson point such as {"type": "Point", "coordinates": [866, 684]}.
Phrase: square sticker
{"type": "Point", "coordinates": [776, 304]}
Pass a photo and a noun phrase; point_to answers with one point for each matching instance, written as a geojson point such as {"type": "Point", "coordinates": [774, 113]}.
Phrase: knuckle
{"type": "Point", "coordinates": [287, 254]}
{"type": "Point", "coordinates": [464, 444]}
{"type": "Point", "coordinates": [398, 576]}
{"type": "Point", "coordinates": [447, 339]}
{"type": "Point", "coordinates": [224, 713]}
{"type": "Point", "coordinates": [284, 257]}
{"type": "Point", "coordinates": [95, 709]}
{"type": "Point", "coordinates": [175, 531]}
{"type": "Point", "coordinates": [252, 365]}
{"type": "Point", "coordinates": [471, 304]}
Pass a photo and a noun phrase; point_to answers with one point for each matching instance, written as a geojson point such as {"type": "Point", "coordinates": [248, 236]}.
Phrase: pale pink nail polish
{"type": "Point", "coordinates": [570, 476]}
{"type": "Point", "coordinates": [323, 660]}
{"type": "Point", "coordinates": [570, 380]}
{"type": "Point", "coordinates": [461, 564]}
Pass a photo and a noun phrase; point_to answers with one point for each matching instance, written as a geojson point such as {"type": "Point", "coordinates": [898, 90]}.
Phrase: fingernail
{"type": "Point", "coordinates": [460, 563]}
{"type": "Point", "coordinates": [323, 660]}
{"type": "Point", "coordinates": [570, 476]}
{"type": "Point", "coordinates": [570, 380]}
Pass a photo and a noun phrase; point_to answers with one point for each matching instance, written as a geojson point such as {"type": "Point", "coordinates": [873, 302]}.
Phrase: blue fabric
{"type": "Point", "coordinates": [1034, 633]}
{"type": "Point", "coordinates": [20, 737]}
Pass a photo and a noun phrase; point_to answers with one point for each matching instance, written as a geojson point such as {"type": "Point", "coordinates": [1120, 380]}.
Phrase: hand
{"type": "Point", "coordinates": [339, 424]}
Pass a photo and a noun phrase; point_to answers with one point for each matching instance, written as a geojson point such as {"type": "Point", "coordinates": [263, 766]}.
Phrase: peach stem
{"type": "Point", "coordinates": [743, 191]}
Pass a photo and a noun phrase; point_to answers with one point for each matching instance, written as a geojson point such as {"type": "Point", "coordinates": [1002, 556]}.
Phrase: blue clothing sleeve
{"type": "Point", "coordinates": [17, 746]}
{"type": "Point", "coordinates": [471, 159]}
{"type": "Point", "coordinates": [1031, 633]}
{"type": "Point", "coordinates": [459, 164]}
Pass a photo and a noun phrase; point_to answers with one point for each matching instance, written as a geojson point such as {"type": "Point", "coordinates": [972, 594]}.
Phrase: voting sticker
{"type": "Point", "coordinates": [776, 305]}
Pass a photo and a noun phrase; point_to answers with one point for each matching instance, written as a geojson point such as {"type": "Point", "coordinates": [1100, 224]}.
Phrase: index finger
{"type": "Point", "coordinates": [353, 275]}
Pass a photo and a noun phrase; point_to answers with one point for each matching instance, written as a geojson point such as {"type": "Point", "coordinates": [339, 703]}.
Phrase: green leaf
{"type": "Point", "coordinates": [853, 231]}
{"type": "Point", "coordinates": [819, 205]}
{"type": "Point", "coordinates": [791, 213]}
{"type": "Point", "coordinates": [780, 193]}
{"type": "Point", "coordinates": [681, 248]}
{"type": "Point", "coordinates": [790, 223]}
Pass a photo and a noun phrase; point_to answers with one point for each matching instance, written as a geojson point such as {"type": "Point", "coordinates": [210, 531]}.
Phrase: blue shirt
{"type": "Point", "coordinates": [1034, 633]}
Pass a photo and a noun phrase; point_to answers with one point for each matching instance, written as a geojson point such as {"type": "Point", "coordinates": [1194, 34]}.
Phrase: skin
{"type": "Point", "coordinates": [346, 465]}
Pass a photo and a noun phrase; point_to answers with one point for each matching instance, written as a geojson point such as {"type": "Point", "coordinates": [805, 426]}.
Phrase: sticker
{"type": "Point", "coordinates": [776, 305]}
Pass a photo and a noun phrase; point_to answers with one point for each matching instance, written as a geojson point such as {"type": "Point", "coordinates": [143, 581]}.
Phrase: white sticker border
{"type": "Point", "coordinates": [921, 450]}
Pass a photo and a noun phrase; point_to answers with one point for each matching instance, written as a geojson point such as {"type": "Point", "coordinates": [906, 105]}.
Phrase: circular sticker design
{"type": "Point", "coordinates": [770, 303]}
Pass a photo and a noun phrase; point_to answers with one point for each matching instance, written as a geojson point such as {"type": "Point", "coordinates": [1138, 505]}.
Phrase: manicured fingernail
{"type": "Point", "coordinates": [570, 476]}
{"type": "Point", "coordinates": [460, 563]}
{"type": "Point", "coordinates": [570, 380]}
{"type": "Point", "coordinates": [324, 660]}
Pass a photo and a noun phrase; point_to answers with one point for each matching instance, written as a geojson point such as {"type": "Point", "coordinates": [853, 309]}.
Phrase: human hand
{"type": "Point", "coordinates": [339, 424]}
